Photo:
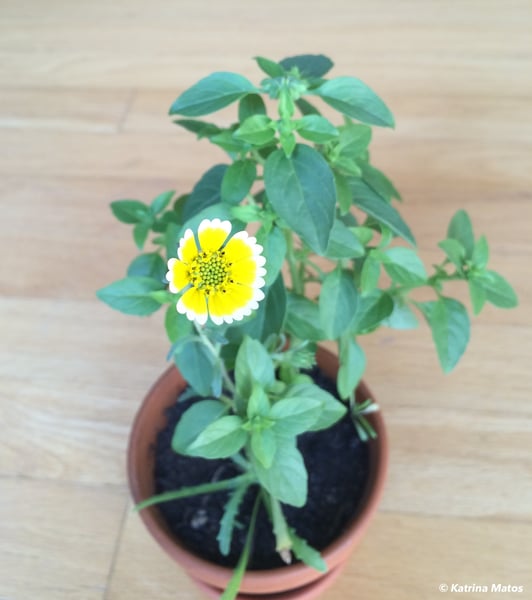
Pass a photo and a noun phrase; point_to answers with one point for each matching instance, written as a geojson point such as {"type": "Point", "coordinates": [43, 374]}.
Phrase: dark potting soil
{"type": "Point", "coordinates": [338, 466]}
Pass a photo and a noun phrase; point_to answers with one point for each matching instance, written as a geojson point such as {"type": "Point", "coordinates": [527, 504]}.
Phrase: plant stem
{"type": "Point", "coordinates": [298, 285]}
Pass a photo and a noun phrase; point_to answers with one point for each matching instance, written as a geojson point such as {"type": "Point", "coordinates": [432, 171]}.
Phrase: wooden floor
{"type": "Point", "coordinates": [84, 92]}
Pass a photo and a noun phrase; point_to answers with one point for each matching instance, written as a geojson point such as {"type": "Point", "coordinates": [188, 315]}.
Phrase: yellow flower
{"type": "Point", "coordinates": [222, 278]}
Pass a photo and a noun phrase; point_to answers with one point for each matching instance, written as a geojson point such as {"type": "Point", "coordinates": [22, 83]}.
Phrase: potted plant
{"type": "Point", "coordinates": [232, 451]}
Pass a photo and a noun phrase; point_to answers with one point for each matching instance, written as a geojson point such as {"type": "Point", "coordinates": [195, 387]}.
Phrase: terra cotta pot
{"type": "Point", "coordinates": [274, 584]}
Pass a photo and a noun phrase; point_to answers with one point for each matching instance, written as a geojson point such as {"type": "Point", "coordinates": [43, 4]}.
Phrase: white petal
{"type": "Point", "coordinates": [258, 283]}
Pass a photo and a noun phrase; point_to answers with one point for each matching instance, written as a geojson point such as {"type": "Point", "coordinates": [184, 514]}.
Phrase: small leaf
{"type": "Point", "coordinates": [404, 266]}
{"type": "Point", "coordinates": [193, 421]}
{"type": "Point", "coordinates": [454, 251]}
{"type": "Point", "coordinates": [301, 190]}
{"type": "Point", "coordinates": [177, 325]}
{"type": "Point", "coordinates": [370, 274]}
{"type": "Point", "coordinates": [372, 310]}
{"type": "Point", "coordinates": [354, 140]}
{"type": "Point", "coordinates": [498, 291]}
{"type": "Point", "coordinates": [303, 319]}
{"type": "Point", "coordinates": [372, 204]}
{"type": "Point", "coordinates": [401, 317]}
{"type": "Point", "coordinates": [274, 250]}
{"type": "Point", "coordinates": [316, 129]}
{"type": "Point", "coordinates": [264, 445]}
{"type": "Point", "coordinates": [161, 201]}
{"type": "Point", "coordinates": [379, 183]}
{"type": "Point", "coordinates": [481, 253]}
{"type": "Point", "coordinates": [249, 106]}
{"type": "Point", "coordinates": [211, 94]}
{"type": "Point", "coordinates": [148, 265]}
{"type": "Point", "coordinates": [306, 108]}
{"type": "Point", "coordinates": [237, 181]}
{"type": "Point", "coordinates": [130, 211]}
{"type": "Point", "coordinates": [449, 323]}
{"type": "Point", "coordinates": [297, 412]}
{"type": "Point", "coordinates": [257, 130]}
{"type": "Point", "coordinates": [309, 65]}
{"type": "Point", "coordinates": [352, 366]}
{"type": "Point", "coordinates": [338, 303]}
{"type": "Point", "coordinates": [197, 365]}
{"type": "Point", "coordinates": [286, 479]}
{"type": "Point", "coordinates": [131, 295]}
{"type": "Point", "coordinates": [253, 365]}
{"type": "Point", "coordinates": [140, 234]}
{"type": "Point", "coordinates": [477, 295]}
{"type": "Point", "coordinates": [269, 67]}
{"type": "Point", "coordinates": [343, 193]}
{"type": "Point", "coordinates": [355, 99]}
{"type": "Point", "coordinates": [200, 128]}
{"type": "Point", "coordinates": [343, 243]}
{"type": "Point", "coordinates": [221, 439]}
{"type": "Point", "coordinates": [307, 553]}
{"type": "Point", "coordinates": [461, 230]}
{"type": "Point", "coordinates": [228, 521]}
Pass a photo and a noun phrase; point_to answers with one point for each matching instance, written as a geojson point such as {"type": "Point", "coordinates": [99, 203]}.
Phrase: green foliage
{"type": "Point", "coordinates": [301, 190]}
{"type": "Point", "coordinates": [308, 186]}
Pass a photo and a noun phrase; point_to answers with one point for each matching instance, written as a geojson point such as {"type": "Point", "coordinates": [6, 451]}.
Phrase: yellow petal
{"type": "Point", "coordinates": [238, 296]}
{"type": "Point", "coordinates": [193, 303]}
{"type": "Point", "coordinates": [187, 250]}
{"type": "Point", "coordinates": [179, 275]}
{"type": "Point", "coordinates": [212, 234]}
{"type": "Point", "coordinates": [220, 305]}
{"type": "Point", "coordinates": [237, 249]}
{"type": "Point", "coordinates": [244, 271]}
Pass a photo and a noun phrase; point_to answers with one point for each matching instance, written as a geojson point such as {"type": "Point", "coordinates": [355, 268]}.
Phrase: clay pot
{"type": "Point", "coordinates": [275, 584]}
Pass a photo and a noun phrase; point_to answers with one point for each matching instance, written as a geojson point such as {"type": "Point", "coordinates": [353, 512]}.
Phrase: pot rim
{"type": "Point", "coordinates": [271, 580]}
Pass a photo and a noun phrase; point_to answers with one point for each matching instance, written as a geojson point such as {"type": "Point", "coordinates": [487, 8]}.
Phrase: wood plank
{"type": "Point", "coordinates": [57, 541]}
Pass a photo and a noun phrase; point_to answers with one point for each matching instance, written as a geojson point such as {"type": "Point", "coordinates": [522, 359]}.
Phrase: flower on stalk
{"type": "Point", "coordinates": [222, 278]}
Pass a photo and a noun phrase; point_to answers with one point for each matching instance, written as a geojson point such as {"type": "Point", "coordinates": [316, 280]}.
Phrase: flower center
{"type": "Point", "coordinates": [209, 271]}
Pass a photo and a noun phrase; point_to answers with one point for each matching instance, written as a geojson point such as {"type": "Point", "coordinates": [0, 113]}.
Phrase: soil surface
{"type": "Point", "coordinates": [338, 466]}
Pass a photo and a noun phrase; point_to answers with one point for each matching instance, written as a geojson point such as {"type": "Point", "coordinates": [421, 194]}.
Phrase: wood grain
{"type": "Point", "coordinates": [84, 94]}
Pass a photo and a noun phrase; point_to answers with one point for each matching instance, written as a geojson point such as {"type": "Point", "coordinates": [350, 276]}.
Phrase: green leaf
{"type": "Point", "coordinates": [140, 234]}
{"type": "Point", "coordinates": [370, 274]}
{"type": "Point", "coordinates": [259, 403]}
{"type": "Point", "coordinates": [269, 67]}
{"type": "Point", "coordinates": [297, 412]}
{"type": "Point", "coordinates": [454, 251]}
{"type": "Point", "coordinates": [221, 439]}
{"type": "Point", "coordinates": [274, 250]}
{"type": "Point", "coordinates": [307, 553]}
{"type": "Point", "coordinates": [354, 140]}
{"type": "Point", "coordinates": [343, 243]}
{"type": "Point", "coordinates": [226, 140]}
{"type": "Point", "coordinates": [372, 310]}
{"type": "Point", "coordinates": [193, 421]}
{"type": "Point", "coordinates": [160, 202]}
{"type": "Point", "coordinates": [303, 319]}
{"type": "Point", "coordinates": [257, 130]}
{"type": "Point", "coordinates": [461, 230]}
{"type": "Point", "coordinates": [253, 365]}
{"type": "Point", "coordinates": [249, 106]}
{"type": "Point", "coordinates": [196, 490]}
{"type": "Point", "coordinates": [131, 295]}
{"type": "Point", "coordinates": [401, 317]}
{"type": "Point", "coordinates": [200, 128]}
{"type": "Point", "coordinates": [404, 266]}
{"type": "Point", "coordinates": [338, 303]}
{"type": "Point", "coordinates": [306, 108]}
{"type": "Point", "coordinates": [372, 204]}
{"type": "Point", "coordinates": [352, 366]}
{"type": "Point", "coordinates": [237, 181]}
{"type": "Point", "coordinates": [301, 190]}
{"type": "Point", "coordinates": [378, 182]}
{"type": "Point", "coordinates": [355, 99]}
{"type": "Point", "coordinates": [498, 291]}
{"type": "Point", "coordinates": [481, 253]}
{"type": "Point", "coordinates": [207, 192]}
{"type": "Point", "coordinates": [316, 129]}
{"type": "Point", "coordinates": [287, 478]}
{"type": "Point", "coordinates": [148, 265]}
{"type": "Point", "coordinates": [343, 193]}
{"type": "Point", "coordinates": [263, 446]}
{"type": "Point", "coordinates": [130, 211]}
{"type": "Point", "coordinates": [449, 323]}
{"type": "Point", "coordinates": [309, 65]}
{"type": "Point", "coordinates": [477, 295]}
{"type": "Point", "coordinates": [329, 412]}
{"type": "Point", "coordinates": [211, 94]}
{"type": "Point", "coordinates": [177, 325]}
{"type": "Point", "coordinates": [228, 521]}
{"type": "Point", "coordinates": [197, 365]}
